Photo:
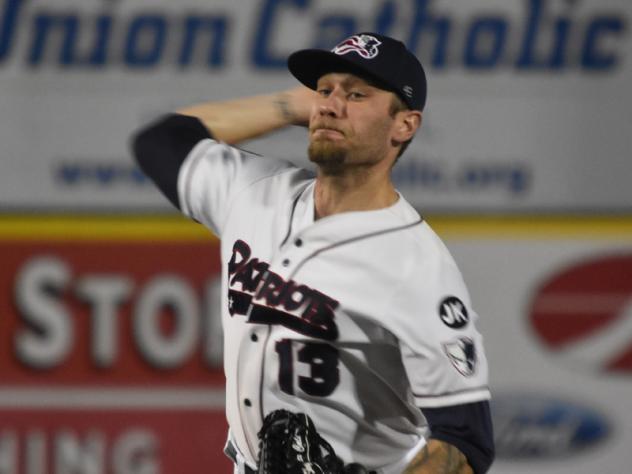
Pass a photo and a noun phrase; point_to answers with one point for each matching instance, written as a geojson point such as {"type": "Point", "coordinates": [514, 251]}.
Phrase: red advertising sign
{"type": "Point", "coordinates": [110, 356]}
{"type": "Point", "coordinates": [112, 441]}
{"type": "Point", "coordinates": [109, 313]}
{"type": "Point", "coordinates": [584, 314]}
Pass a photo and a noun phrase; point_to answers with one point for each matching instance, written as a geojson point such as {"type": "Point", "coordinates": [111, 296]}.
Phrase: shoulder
{"type": "Point", "coordinates": [426, 251]}
{"type": "Point", "coordinates": [241, 167]}
{"type": "Point", "coordinates": [429, 272]}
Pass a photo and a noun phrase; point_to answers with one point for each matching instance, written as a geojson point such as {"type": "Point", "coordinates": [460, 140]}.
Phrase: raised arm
{"type": "Point", "coordinates": [237, 120]}
{"type": "Point", "coordinates": [160, 148]}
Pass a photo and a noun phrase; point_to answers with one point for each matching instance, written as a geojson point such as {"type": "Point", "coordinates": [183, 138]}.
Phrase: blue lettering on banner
{"type": "Point", "coordinates": [217, 27]}
{"type": "Point", "coordinates": [262, 56]}
{"type": "Point", "coordinates": [431, 173]}
{"type": "Point", "coordinates": [43, 25]}
{"type": "Point", "coordinates": [334, 28]}
{"type": "Point", "coordinates": [385, 17]}
{"type": "Point", "coordinates": [496, 30]}
{"type": "Point", "coordinates": [102, 174]}
{"type": "Point", "coordinates": [137, 53]}
{"type": "Point", "coordinates": [79, 39]}
{"type": "Point", "coordinates": [592, 56]}
{"type": "Point", "coordinates": [424, 21]}
{"type": "Point", "coordinates": [10, 15]}
{"type": "Point", "coordinates": [537, 427]}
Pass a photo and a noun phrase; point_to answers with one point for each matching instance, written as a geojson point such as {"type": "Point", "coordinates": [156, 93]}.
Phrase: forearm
{"type": "Point", "coordinates": [438, 457]}
{"type": "Point", "coordinates": [242, 119]}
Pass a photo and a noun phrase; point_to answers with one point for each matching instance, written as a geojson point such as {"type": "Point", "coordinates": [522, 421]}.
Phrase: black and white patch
{"type": "Point", "coordinates": [462, 354]}
{"type": "Point", "coordinates": [453, 312]}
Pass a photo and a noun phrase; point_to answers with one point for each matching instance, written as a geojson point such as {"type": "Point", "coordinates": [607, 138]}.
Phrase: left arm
{"type": "Point", "coordinates": [461, 441]}
{"type": "Point", "coordinates": [445, 364]}
{"type": "Point", "coordinates": [439, 457]}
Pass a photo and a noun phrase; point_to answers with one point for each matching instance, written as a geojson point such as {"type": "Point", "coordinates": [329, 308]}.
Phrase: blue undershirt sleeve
{"type": "Point", "coordinates": [161, 147]}
{"type": "Point", "coordinates": [468, 427]}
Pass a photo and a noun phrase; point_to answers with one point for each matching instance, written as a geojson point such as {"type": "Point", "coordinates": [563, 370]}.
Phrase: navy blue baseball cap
{"type": "Point", "coordinates": [385, 60]}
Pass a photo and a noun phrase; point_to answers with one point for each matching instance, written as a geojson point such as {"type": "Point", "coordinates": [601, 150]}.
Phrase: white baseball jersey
{"type": "Point", "coordinates": [356, 319]}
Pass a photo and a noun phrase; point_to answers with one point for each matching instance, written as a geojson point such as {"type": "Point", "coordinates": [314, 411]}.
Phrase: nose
{"type": "Point", "coordinates": [332, 105]}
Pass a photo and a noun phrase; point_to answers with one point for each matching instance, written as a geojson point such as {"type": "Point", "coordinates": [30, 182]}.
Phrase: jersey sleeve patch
{"type": "Point", "coordinates": [453, 312]}
{"type": "Point", "coordinates": [462, 355]}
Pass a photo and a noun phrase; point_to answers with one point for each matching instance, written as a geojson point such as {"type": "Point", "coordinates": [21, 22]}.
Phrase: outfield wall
{"type": "Point", "coordinates": [528, 106]}
{"type": "Point", "coordinates": [110, 345]}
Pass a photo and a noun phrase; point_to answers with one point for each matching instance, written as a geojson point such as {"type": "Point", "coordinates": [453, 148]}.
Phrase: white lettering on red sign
{"type": "Point", "coordinates": [166, 351]}
{"type": "Point", "coordinates": [47, 334]}
{"type": "Point", "coordinates": [105, 293]}
{"type": "Point", "coordinates": [65, 452]}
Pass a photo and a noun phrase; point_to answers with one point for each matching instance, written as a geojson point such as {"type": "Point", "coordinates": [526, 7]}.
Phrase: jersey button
{"type": "Point", "coordinates": [285, 262]}
{"type": "Point", "coordinates": [254, 338]}
{"type": "Point", "coordinates": [298, 242]}
{"type": "Point", "coordinates": [247, 402]}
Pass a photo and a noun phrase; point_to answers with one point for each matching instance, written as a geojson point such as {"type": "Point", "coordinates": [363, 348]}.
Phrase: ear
{"type": "Point", "coordinates": [407, 122]}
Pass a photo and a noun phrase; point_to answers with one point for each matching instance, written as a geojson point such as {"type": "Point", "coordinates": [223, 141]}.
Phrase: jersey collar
{"type": "Point", "coordinates": [347, 225]}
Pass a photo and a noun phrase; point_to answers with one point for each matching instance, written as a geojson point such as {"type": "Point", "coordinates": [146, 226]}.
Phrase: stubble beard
{"type": "Point", "coordinates": [328, 156]}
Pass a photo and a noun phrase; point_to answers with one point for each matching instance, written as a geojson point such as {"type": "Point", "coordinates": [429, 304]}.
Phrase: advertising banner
{"type": "Point", "coordinates": [110, 343]}
{"type": "Point", "coordinates": [555, 302]}
{"type": "Point", "coordinates": [528, 105]}
{"type": "Point", "coordinates": [110, 350]}
{"type": "Point", "coordinates": [112, 440]}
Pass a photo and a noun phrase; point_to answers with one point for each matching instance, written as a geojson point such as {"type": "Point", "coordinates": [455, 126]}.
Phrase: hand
{"type": "Point", "coordinates": [296, 104]}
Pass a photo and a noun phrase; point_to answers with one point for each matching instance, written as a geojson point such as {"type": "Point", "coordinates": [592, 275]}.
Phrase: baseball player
{"type": "Point", "coordinates": [339, 301]}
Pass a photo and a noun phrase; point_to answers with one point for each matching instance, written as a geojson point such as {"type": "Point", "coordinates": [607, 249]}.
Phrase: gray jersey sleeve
{"type": "Point", "coordinates": [213, 174]}
{"type": "Point", "coordinates": [433, 318]}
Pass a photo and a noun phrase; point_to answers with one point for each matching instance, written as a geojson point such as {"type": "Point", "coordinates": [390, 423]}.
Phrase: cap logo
{"type": "Point", "coordinates": [365, 45]}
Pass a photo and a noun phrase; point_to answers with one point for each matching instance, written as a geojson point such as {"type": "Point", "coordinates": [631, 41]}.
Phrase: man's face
{"type": "Point", "coordinates": [350, 123]}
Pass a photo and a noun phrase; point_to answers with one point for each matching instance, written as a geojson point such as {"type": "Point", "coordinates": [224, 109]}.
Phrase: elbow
{"type": "Point", "coordinates": [486, 460]}
{"type": "Point", "coordinates": [481, 456]}
{"type": "Point", "coordinates": [141, 145]}
{"type": "Point", "coordinates": [161, 148]}
{"type": "Point", "coordinates": [174, 135]}
{"type": "Point", "coordinates": [146, 143]}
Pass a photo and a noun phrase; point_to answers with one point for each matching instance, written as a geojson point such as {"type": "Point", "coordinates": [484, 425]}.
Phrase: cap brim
{"type": "Point", "coordinates": [308, 65]}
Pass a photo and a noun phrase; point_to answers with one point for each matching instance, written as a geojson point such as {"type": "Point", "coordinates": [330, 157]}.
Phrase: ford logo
{"type": "Point", "coordinates": [531, 426]}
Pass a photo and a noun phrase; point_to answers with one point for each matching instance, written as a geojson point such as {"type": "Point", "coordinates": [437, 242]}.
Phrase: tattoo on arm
{"type": "Point", "coordinates": [438, 457]}
{"type": "Point", "coordinates": [283, 106]}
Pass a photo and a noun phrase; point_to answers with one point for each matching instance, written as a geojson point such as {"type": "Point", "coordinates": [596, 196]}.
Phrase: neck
{"type": "Point", "coordinates": [352, 191]}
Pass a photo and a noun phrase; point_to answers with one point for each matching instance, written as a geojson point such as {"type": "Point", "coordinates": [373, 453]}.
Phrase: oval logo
{"type": "Point", "coordinates": [584, 314]}
{"type": "Point", "coordinates": [453, 312]}
{"type": "Point", "coordinates": [532, 426]}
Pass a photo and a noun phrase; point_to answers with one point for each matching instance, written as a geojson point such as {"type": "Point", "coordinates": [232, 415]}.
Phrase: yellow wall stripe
{"type": "Point", "coordinates": [533, 227]}
{"type": "Point", "coordinates": [109, 228]}
{"type": "Point", "coordinates": [178, 228]}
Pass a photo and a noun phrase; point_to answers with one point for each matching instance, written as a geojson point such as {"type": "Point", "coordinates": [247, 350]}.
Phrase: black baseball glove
{"type": "Point", "coordinates": [290, 444]}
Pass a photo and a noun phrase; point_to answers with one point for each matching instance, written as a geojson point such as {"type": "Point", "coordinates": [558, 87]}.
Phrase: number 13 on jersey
{"type": "Point", "coordinates": [309, 366]}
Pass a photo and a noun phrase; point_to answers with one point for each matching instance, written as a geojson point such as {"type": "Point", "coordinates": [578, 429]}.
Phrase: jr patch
{"type": "Point", "coordinates": [462, 354]}
{"type": "Point", "coordinates": [453, 312]}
